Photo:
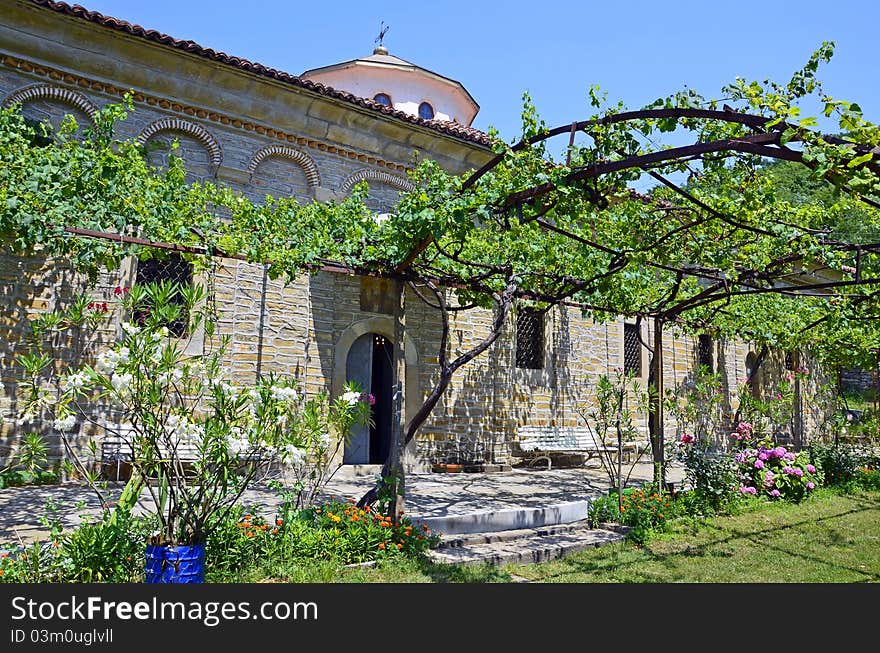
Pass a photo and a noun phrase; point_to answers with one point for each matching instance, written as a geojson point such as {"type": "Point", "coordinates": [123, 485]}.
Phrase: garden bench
{"type": "Point", "coordinates": [540, 443]}
{"type": "Point", "coordinates": [116, 454]}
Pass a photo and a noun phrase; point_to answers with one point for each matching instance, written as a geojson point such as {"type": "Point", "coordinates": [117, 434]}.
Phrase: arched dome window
{"type": "Point", "coordinates": [383, 98]}
{"type": "Point", "coordinates": [426, 111]}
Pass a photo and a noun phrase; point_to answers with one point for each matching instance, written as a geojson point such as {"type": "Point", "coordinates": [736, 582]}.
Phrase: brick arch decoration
{"type": "Point", "coordinates": [50, 92]}
{"type": "Point", "coordinates": [283, 152]}
{"type": "Point", "coordinates": [196, 131]}
{"type": "Point", "coordinates": [366, 174]}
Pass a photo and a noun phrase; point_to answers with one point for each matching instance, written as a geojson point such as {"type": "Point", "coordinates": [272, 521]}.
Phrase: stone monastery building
{"type": "Point", "coordinates": [314, 136]}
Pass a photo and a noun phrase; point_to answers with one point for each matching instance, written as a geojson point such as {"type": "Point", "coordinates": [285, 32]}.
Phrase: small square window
{"type": "Point", "coordinates": [632, 350]}
{"type": "Point", "coordinates": [173, 269]}
{"type": "Point", "coordinates": [529, 339]}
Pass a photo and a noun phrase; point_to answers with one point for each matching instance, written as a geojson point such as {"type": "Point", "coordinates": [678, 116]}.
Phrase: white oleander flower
{"type": "Point", "coordinates": [65, 423]}
{"type": "Point", "coordinates": [130, 328]}
{"type": "Point", "coordinates": [284, 393]}
{"type": "Point", "coordinates": [121, 381]}
{"type": "Point", "coordinates": [351, 397]}
{"type": "Point", "coordinates": [294, 455]}
{"type": "Point", "coordinates": [76, 381]}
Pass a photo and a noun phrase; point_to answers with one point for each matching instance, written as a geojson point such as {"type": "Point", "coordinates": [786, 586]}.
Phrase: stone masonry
{"type": "Point", "coordinates": [262, 136]}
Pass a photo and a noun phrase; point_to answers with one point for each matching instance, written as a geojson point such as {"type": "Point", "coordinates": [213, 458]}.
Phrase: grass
{"type": "Point", "coordinates": [831, 537]}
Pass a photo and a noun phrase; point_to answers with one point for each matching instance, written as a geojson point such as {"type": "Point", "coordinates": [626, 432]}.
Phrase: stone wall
{"type": "Point", "coordinates": [264, 138]}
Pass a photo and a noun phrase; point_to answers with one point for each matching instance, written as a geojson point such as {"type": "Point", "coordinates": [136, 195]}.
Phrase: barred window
{"type": "Point", "coordinates": [704, 352]}
{"type": "Point", "coordinates": [530, 339]}
{"type": "Point", "coordinates": [173, 269]}
{"type": "Point", "coordinates": [632, 350]}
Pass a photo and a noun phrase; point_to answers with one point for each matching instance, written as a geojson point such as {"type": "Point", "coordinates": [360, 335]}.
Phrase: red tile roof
{"type": "Point", "coordinates": [456, 130]}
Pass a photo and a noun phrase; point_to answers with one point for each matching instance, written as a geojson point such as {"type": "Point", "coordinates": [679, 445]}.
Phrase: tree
{"type": "Point", "coordinates": [524, 227]}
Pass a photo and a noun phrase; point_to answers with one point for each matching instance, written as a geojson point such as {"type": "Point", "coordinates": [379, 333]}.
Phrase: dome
{"type": "Point", "coordinates": [401, 85]}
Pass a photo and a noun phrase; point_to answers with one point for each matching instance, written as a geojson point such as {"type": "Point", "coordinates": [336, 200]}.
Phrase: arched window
{"type": "Point", "coordinates": [426, 111]}
{"type": "Point", "coordinates": [383, 98]}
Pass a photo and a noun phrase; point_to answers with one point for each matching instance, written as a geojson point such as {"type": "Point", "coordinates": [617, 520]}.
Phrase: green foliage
{"type": "Point", "coordinates": [840, 463]}
{"type": "Point", "coordinates": [333, 531]}
{"type": "Point", "coordinates": [180, 418]}
{"type": "Point", "coordinates": [697, 407]}
{"type": "Point", "coordinates": [777, 474]}
{"type": "Point", "coordinates": [610, 415]}
{"type": "Point", "coordinates": [645, 511]}
{"type": "Point", "coordinates": [110, 550]}
{"type": "Point", "coordinates": [711, 478]}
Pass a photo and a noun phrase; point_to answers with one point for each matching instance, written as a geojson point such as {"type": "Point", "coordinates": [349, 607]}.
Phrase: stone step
{"type": "Point", "coordinates": [522, 546]}
{"type": "Point", "coordinates": [507, 518]}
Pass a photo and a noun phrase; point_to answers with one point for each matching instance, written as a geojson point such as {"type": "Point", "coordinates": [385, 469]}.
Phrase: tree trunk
{"type": "Point", "coordinates": [504, 302]}
{"type": "Point", "coordinates": [655, 411]}
{"type": "Point", "coordinates": [395, 464]}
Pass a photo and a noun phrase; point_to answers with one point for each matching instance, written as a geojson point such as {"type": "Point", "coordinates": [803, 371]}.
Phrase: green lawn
{"type": "Point", "coordinates": [829, 538]}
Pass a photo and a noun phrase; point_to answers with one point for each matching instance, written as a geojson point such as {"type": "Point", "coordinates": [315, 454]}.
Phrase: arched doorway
{"type": "Point", "coordinates": [370, 363]}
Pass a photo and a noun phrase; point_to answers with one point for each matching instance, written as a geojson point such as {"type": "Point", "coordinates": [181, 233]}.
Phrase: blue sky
{"type": "Point", "coordinates": [636, 50]}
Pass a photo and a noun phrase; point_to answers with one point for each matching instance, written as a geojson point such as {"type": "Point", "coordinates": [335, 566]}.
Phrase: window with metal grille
{"type": "Point", "coordinates": [704, 352]}
{"type": "Point", "coordinates": [173, 269]}
{"type": "Point", "coordinates": [789, 360]}
{"type": "Point", "coordinates": [529, 339]}
{"type": "Point", "coordinates": [632, 350]}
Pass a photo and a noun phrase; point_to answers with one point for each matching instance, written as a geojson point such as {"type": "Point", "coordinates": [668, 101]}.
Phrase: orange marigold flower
{"type": "Point", "coordinates": [1, 572]}
{"type": "Point", "coordinates": [347, 511]}
{"type": "Point", "coordinates": [420, 537]}
{"type": "Point", "coordinates": [264, 527]}
{"type": "Point", "coordinates": [56, 544]}
{"type": "Point", "coordinates": [247, 517]}
{"type": "Point", "coordinates": [424, 527]}
{"type": "Point", "coordinates": [381, 545]}
{"type": "Point", "coordinates": [278, 522]}
{"type": "Point", "coordinates": [249, 534]}
{"type": "Point", "coordinates": [399, 545]}
{"type": "Point", "coordinates": [4, 555]}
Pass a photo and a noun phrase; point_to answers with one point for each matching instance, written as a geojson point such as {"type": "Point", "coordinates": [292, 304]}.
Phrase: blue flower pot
{"type": "Point", "coordinates": [175, 564]}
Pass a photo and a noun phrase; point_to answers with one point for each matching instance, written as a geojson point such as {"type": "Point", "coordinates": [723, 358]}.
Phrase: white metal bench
{"type": "Point", "coordinates": [540, 443]}
{"type": "Point", "coordinates": [116, 453]}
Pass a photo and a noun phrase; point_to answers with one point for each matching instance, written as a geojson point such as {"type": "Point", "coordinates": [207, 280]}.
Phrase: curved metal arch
{"type": "Point", "coordinates": [727, 115]}
{"type": "Point", "coordinates": [366, 174]}
{"type": "Point", "coordinates": [49, 92]}
{"type": "Point", "coordinates": [284, 152]}
{"type": "Point", "coordinates": [196, 131]}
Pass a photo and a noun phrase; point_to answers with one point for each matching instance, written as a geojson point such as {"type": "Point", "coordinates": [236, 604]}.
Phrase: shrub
{"type": "Point", "coordinates": [603, 509]}
{"type": "Point", "coordinates": [712, 478]}
{"type": "Point", "coordinates": [776, 473]}
{"type": "Point", "coordinates": [334, 531]}
{"type": "Point", "coordinates": [839, 462]}
{"type": "Point", "coordinates": [645, 511]}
